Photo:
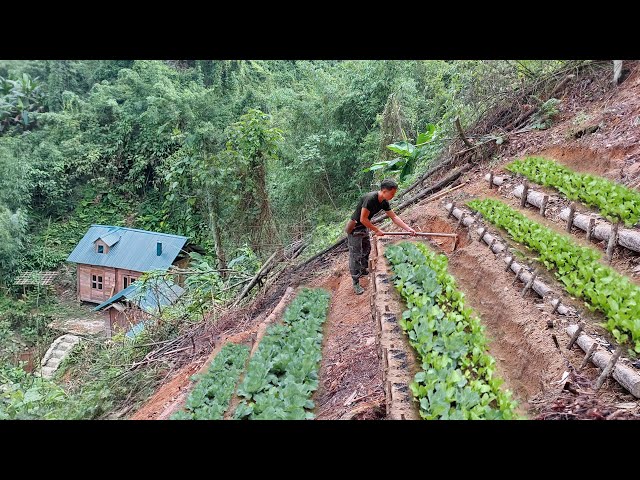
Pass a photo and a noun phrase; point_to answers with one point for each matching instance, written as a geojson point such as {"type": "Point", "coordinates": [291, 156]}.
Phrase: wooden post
{"type": "Point", "coordinates": [572, 212]}
{"type": "Point", "coordinates": [484, 230]}
{"type": "Point", "coordinates": [556, 306]}
{"type": "Point", "coordinates": [555, 340]}
{"type": "Point", "coordinates": [509, 264]}
{"type": "Point", "coordinates": [529, 283]}
{"type": "Point", "coordinates": [592, 223]}
{"type": "Point", "coordinates": [613, 239]}
{"type": "Point", "coordinates": [490, 180]}
{"type": "Point", "coordinates": [609, 368]}
{"type": "Point", "coordinates": [493, 242]}
{"type": "Point", "coordinates": [517, 275]}
{"type": "Point", "coordinates": [460, 221]}
{"type": "Point", "coordinates": [453, 205]}
{"type": "Point", "coordinates": [575, 336]}
{"type": "Point", "coordinates": [525, 192]}
{"type": "Point", "coordinates": [587, 357]}
{"type": "Point", "coordinates": [543, 207]}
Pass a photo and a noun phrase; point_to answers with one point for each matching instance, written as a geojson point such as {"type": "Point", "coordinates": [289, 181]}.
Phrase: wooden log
{"type": "Point", "coordinates": [430, 172]}
{"type": "Point", "coordinates": [592, 223]}
{"type": "Point", "coordinates": [572, 212]}
{"type": "Point", "coordinates": [263, 270]}
{"type": "Point", "coordinates": [481, 234]}
{"type": "Point", "coordinates": [461, 133]}
{"type": "Point", "coordinates": [496, 180]}
{"type": "Point", "coordinates": [525, 191]}
{"type": "Point", "coordinates": [534, 197]}
{"type": "Point", "coordinates": [613, 239]}
{"type": "Point", "coordinates": [457, 212]}
{"type": "Point", "coordinates": [607, 370]}
{"type": "Point", "coordinates": [588, 356]}
{"type": "Point", "coordinates": [453, 205]}
{"type": "Point", "coordinates": [509, 264]}
{"type": "Point", "coordinates": [517, 275]}
{"type": "Point", "coordinates": [529, 283]}
{"type": "Point", "coordinates": [543, 207]}
{"type": "Point", "coordinates": [538, 286]}
{"type": "Point", "coordinates": [626, 376]}
{"type": "Point", "coordinates": [272, 318]}
{"type": "Point", "coordinates": [575, 336]}
{"type": "Point", "coordinates": [627, 238]}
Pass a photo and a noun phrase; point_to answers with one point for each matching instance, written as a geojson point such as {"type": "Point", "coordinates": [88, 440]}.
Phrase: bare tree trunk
{"type": "Point", "coordinates": [214, 226]}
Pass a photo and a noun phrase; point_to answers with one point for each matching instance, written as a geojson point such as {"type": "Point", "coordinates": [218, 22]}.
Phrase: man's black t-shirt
{"type": "Point", "coordinates": [371, 203]}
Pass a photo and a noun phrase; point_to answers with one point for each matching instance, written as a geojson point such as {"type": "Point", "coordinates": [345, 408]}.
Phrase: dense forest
{"type": "Point", "coordinates": [240, 156]}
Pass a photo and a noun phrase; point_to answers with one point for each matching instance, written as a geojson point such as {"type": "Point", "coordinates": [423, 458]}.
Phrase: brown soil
{"type": "Point", "coordinates": [350, 367]}
{"type": "Point", "coordinates": [525, 355]}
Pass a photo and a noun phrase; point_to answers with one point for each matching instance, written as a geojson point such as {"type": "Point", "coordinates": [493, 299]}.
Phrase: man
{"type": "Point", "coordinates": [357, 234]}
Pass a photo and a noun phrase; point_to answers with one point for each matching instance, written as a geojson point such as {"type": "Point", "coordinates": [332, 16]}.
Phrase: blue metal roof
{"type": "Point", "coordinates": [155, 294]}
{"type": "Point", "coordinates": [111, 238]}
{"type": "Point", "coordinates": [135, 330]}
{"type": "Point", "coordinates": [136, 249]}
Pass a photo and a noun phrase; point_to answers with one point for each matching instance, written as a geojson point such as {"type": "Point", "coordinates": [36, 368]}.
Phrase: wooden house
{"type": "Point", "coordinates": [128, 309]}
{"type": "Point", "coordinates": [111, 258]}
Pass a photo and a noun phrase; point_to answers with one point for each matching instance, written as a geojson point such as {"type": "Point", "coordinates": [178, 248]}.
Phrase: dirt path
{"type": "Point", "coordinates": [350, 372]}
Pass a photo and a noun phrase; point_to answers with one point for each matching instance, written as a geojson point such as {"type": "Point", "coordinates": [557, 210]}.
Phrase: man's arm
{"type": "Point", "coordinates": [364, 219]}
{"type": "Point", "coordinates": [398, 221]}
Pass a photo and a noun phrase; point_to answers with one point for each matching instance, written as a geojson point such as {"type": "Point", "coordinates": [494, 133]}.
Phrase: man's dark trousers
{"type": "Point", "coordinates": [359, 249]}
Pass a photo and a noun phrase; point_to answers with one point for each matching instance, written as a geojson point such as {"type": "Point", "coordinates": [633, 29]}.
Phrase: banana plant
{"type": "Point", "coordinates": [409, 154]}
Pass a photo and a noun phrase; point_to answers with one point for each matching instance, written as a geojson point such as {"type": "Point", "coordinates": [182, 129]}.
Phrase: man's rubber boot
{"type": "Point", "coordinates": [358, 289]}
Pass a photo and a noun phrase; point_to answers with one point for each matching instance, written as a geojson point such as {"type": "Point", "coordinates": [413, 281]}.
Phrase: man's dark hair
{"type": "Point", "coordinates": [388, 184]}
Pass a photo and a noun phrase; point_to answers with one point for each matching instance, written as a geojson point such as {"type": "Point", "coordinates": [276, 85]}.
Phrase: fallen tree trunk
{"type": "Point", "coordinates": [430, 172]}
{"type": "Point", "coordinates": [626, 376]}
{"type": "Point", "coordinates": [268, 265]}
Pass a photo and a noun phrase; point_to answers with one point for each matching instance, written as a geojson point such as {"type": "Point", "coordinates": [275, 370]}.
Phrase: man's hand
{"type": "Point", "coordinates": [411, 231]}
{"type": "Point", "coordinates": [379, 233]}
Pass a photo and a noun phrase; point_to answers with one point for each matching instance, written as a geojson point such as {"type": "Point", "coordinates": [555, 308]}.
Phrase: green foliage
{"type": "Point", "coordinates": [410, 154]}
{"type": "Point", "coordinates": [13, 227]}
{"type": "Point", "coordinates": [27, 397]}
{"type": "Point", "coordinates": [576, 267]}
{"type": "Point", "coordinates": [210, 398]}
{"type": "Point", "coordinates": [543, 118]}
{"type": "Point", "coordinates": [283, 373]}
{"type": "Point", "coordinates": [457, 380]}
{"type": "Point", "coordinates": [615, 201]}
{"type": "Point", "coordinates": [21, 99]}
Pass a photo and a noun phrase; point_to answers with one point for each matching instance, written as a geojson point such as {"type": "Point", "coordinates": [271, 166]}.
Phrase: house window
{"type": "Point", "coordinates": [128, 280]}
{"type": "Point", "coordinates": [96, 282]}
{"type": "Point", "coordinates": [100, 248]}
